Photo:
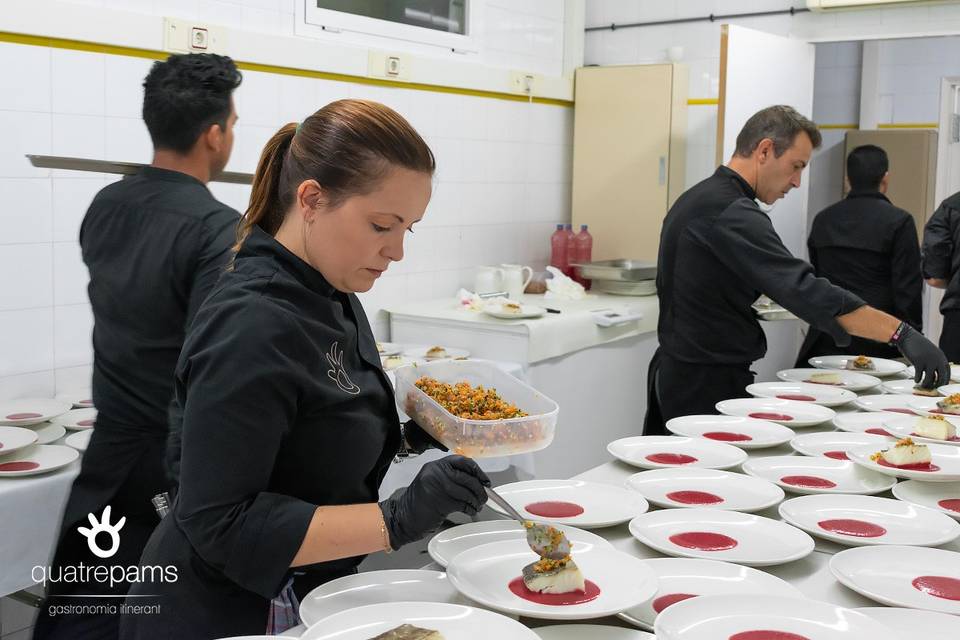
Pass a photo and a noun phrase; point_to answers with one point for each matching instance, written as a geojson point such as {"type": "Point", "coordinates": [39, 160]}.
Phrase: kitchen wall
{"type": "Point", "coordinates": [501, 186]}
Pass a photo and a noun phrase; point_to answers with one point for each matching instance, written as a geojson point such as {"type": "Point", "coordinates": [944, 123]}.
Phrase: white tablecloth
{"type": "Point", "coordinates": [30, 512]}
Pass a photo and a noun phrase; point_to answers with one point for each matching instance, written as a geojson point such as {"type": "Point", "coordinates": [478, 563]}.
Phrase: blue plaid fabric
{"type": "Point", "coordinates": [284, 610]}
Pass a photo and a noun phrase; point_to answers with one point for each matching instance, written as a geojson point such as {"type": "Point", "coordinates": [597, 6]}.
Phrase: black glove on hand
{"type": "Point", "coordinates": [929, 362]}
{"type": "Point", "coordinates": [419, 440]}
{"type": "Point", "coordinates": [442, 487]}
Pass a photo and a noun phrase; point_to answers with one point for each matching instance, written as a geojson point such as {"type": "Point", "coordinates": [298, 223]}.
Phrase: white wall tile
{"type": "Point", "coordinates": [72, 335]}
{"type": "Point", "coordinates": [78, 82]}
{"type": "Point", "coordinates": [123, 85]}
{"type": "Point", "coordinates": [32, 286]}
{"type": "Point", "coordinates": [70, 274]}
{"type": "Point", "coordinates": [26, 341]}
{"type": "Point", "coordinates": [79, 136]}
{"type": "Point", "coordinates": [446, 204]}
{"type": "Point", "coordinates": [258, 99]}
{"type": "Point", "coordinates": [71, 198]}
{"type": "Point", "coordinates": [924, 107]}
{"type": "Point", "coordinates": [25, 80]}
{"type": "Point", "coordinates": [26, 385]}
{"type": "Point", "coordinates": [298, 99]}
{"type": "Point", "coordinates": [23, 133]}
{"type": "Point", "coordinates": [25, 210]}
{"type": "Point", "coordinates": [128, 140]}
{"type": "Point", "coordinates": [73, 378]}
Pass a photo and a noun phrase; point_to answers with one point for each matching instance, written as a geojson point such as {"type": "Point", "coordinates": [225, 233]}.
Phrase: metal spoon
{"type": "Point", "coordinates": [546, 541]}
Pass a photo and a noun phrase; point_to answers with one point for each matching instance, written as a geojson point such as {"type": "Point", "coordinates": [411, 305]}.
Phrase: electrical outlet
{"type": "Point", "coordinates": [522, 82]}
{"type": "Point", "coordinates": [392, 66]}
{"type": "Point", "coordinates": [185, 36]}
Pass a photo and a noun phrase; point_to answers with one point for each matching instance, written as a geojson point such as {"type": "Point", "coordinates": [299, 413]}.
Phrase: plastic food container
{"type": "Point", "coordinates": [478, 438]}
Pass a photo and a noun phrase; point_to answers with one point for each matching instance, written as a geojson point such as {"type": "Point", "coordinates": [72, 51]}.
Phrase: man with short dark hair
{"type": "Point", "coordinates": [941, 268]}
{"type": "Point", "coordinates": [155, 243]}
{"type": "Point", "coordinates": [869, 247]}
{"type": "Point", "coordinates": [719, 252]}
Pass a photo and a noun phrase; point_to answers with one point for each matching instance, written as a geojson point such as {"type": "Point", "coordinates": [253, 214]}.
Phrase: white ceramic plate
{"type": "Point", "coordinates": [453, 621]}
{"type": "Point", "coordinates": [15, 438]}
{"type": "Point", "coordinates": [852, 381]}
{"type": "Point", "coordinates": [914, 623]}
{"type": "Point", "coordinates": [39, 458]}
{"type": "Point", "coordinates": [705, 488]}
{"type": "Point", "coordinates": [77, 419]}
{"type": "Point", "coordinates": [376, 587]}
{"type": "Point", "coordinates": [786, 412]}
{"type": "Point", "coordinates": [79, 440]}
{"type": "Point", "coordinates": [887, 575]}
{"type": "Point", "coordinates": [944, 456]}
{"type": "Point", "coordinates": [420, 352]}
{"type": "Point", "coordinates": [867, 520]}
{"type": "Point", "coordinates": [444, 546]}
{"type": "Point", "coordinates": [47, 432]}
{"type": "Point", "coordinates": [82, 399]}
{"type": "Point", "coordinates": [745, 433]}
{"type": "Point", "coordinates": [928, 407]}
{"type": "Point", "coordinates": [526, 311]}
{"type": "Point", "coordinates": [484, 573]}
{"type": "Point", "coordinates": [603, 505]}
{"type": "Point", "coordinates": [679, 577]}
{"type": "Point", "coordinates": [391, 364]}
{"type": "Point", "coordinates": [883, 366]}
{"type": "Point", "coordinates": [837, 476]}
{"type": "Point", "coordinates": [901, 387]}
{"type": "Point", "coordinates": [903, 426]}
{"type": "Point", "coordinates": [887, 402]}
{"type": "Point", "coordinates": [661, 452]}
{"type": "Point", "coordinates": [834, 444]}
{"type": "Point", "coordinates": [734, 616]}
{"type": "Point", "coordinates": [752, 540]}
{"type": "Point", "coordinates": [803, 392]}
{"type": "Point", "coordinates": [872, 422]}
{"type": "Point", "coordinates": [942, 496]}
{"type": "Point", "coordinates": [592, 631]}
{"type": "Point", "coordinates": [949, 389]}
{"type": "Point", "coordinates": [389, 349]}
{"type": "Point", "coordinates": [23, 412]}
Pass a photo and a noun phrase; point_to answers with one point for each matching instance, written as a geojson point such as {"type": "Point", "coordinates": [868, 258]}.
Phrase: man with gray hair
{"type": "Point", "coordinates": [719, 252]}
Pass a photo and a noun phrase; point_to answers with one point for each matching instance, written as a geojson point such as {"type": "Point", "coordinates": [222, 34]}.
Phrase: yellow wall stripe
{"type": "Point", "coordinates": [838, 126]}
{"type": "Point", "coordinates": [79, 45]}
{"type": "Point", "coordinates": [909, 125]}
{"type": "Point", "coordinates": [703, 101]}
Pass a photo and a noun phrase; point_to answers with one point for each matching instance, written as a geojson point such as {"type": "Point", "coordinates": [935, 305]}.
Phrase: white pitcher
{"type": "Point", "coordinates": [513, 281]}
{"type": "Point", "coordinates": [488, 280]}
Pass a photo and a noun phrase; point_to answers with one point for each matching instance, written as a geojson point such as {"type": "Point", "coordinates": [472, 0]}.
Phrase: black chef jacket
{"type": "Point", "coordinates": [941, 250]}
{"type": "Point", "coordinates": [718, 253]}
{"type": "Point", "coordinates": [868, 246]}
{"type": "Point", "coordinates": [285, 407]}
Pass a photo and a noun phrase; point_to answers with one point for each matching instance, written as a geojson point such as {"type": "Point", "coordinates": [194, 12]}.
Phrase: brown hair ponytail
{"type": "Point", "coordinates": [347, 146]}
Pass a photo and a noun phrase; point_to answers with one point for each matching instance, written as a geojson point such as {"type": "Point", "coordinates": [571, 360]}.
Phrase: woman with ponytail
{"type": "Point", "coordinates": [287, 420]}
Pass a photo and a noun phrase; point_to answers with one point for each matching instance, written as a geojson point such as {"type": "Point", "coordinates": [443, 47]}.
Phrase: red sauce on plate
{"type": "Point", "coordinates": [796, 396]}
{"type": "Point", "coordinates": [920, 466]}
{"type": "Point", "coordinates": [837, 455]}
{"type": "Point", "coordinates": [938, 586]}
{"type": "Point", "coordinates": [850, 527]}
{"type": "Point", "coordinates": [86, 402]}
{"type": "Point", "coordinates": [812, 482]}
{"type": "Point", "coordinates": [769, 415]}
{"type": "Point", "coordinates": [694, 497]}
{"type": "Point", "coordinates": [727, 436]}
{"type": "Point", "coordinates": [703, 541]}
{"type": "Point", "coordinates": [767, 634]}
{"type": "Point", "coordinates": [554, 509]}
{"type": "Point", "coordinates": [555, 599]}
{"type": "Point", "coordinates": [23, 416]}
{"type": "Point", "coordinates": [86, 423]}
{"type": "Point", "coordinates": [909, 412]}
{"type": "Point", "coordinates": [19, 465]}
{"type": "Point", "coordinates": [663, 602]}
{"type": "Point", "coordinates": [671, 458]}
{"type": "Point", "coordinates": [879, 431]}
{"type": "Point", "coordinates": [951, 504]}
{"type": "Point", "coordinates": [946, 413]}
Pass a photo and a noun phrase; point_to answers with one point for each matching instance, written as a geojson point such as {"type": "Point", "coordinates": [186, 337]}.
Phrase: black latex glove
{"type": "Point", "coordinates": [932, 368]}
{"type": "Point", "coordinates": [442, 487]}
{"type": "Point", "coordinates": [419, 440]}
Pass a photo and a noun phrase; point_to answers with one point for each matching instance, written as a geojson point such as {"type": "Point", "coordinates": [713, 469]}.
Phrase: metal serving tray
{"type": "Point", "coordinates": [620, 269]}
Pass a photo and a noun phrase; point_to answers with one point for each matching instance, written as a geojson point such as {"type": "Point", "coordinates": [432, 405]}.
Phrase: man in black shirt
{"type": "Point", "coordinates": [155, 243]}
{"type": "Point", "coordinates": [719, 252]}
{"type": "Point", "coordinates": [869, 247]}
{"type": "Point", "coordinates": [941, 268]}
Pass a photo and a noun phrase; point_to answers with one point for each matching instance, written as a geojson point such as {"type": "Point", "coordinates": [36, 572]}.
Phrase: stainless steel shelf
{"type": "Point", "coordinates": [122, 168]}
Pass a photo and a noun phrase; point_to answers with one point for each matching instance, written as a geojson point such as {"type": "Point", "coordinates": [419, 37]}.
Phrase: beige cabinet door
{"type": "Point", "coordinates": [621, 157]}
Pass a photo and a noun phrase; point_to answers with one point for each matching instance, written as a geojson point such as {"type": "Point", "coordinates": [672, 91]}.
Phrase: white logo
{"type": "Point", "coordinates": [337, 373]}
{"type": "Point", "coordinates": [103, 526]}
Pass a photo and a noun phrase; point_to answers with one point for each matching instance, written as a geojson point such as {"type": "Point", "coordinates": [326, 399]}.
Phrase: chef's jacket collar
{"type": "Point", "coordinates": [867, 193]}
{"type": "Point", "coordinates": [748, 191]}
{"type": "Point", "coordinates": [156, 173]}
{"type": "Point", "coordinates": [261, 243]}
